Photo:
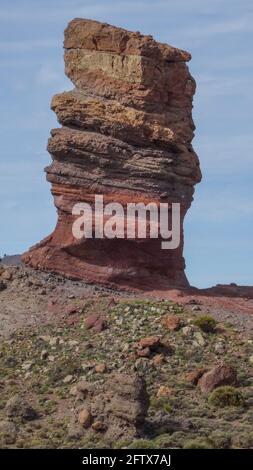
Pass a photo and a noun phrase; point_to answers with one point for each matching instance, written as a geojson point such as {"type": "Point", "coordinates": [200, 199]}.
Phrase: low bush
{"type": "Point", "coordinates": [206, 323]}
{"type": "Point", "coordinates": [198, 443]}
{"type": "Point", "coordinates": [226, 396]}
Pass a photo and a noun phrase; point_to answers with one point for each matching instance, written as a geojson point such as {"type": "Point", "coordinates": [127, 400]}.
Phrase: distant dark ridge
{"type": "Point", "coordinates": [12, 260]}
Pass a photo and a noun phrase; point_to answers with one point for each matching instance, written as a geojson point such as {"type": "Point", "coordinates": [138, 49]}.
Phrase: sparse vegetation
{"type": "Point", "coordinates": [206, 323]}
{"type": "Point", "coordinates": [45, 363]}
{"type": "Point", "coordinates": [161, 404]}
{"type": "Point", "coordinates": [226, 396]}
{"type": "Point", "coordinates": [198, 444]}
{"type": "Point", "coordinates": [142, 444]}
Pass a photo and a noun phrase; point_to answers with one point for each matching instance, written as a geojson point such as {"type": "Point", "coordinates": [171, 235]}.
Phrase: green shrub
{"type": "Point", "coordinates": [121, 444]}
{"type": "Point", "coordinates": [164, 441]}
{"type": "Point", "coordinates": [168, 441]}
{"type": "Point", "coordinates": [206, 323]}
{"type": "Point", "coordinates": [221, 439]}
{"type": "Point", "coordinates": [226, 396]}
{"type": "Point", "coordinates": [142, 444]}
{"type": "Point", "coordinates": [198, 443]}
{"type": "Point", "coordinates": [63, 367]}
{"type": "Point", "coordinates": [160, 404]}
{"type": "Point", "coordinates": [243, 440]}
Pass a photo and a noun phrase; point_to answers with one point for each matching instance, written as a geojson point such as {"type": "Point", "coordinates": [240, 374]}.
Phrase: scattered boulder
{"type": "Point", "coordinates": [51, 340]}
{"type": "Point", "coordinates": [101, 368]}
{"type": "Point", "coordinates": [171, 322]}
{"type": "Point", "coordinates": [73, 391]}
{"type": "Point", "coordinates": [158, 359]}
{"type": "Point", "coordinates": [144, 352]}
{"type": "Point", "coordinates": [164, 391]}
{"type": "Point", "coordinates": [88, 365]}
{"type": "Point", "coordinates": [219, 375]}
{"type": "Point", "coordinates": [8, 432]}
{"type": "Point", "coordinates": [165, 347]}
{"type": "Point", "coordinates": [3, 286]}
{"type": "Point", "coordinates": [87, 345]}
{"type": "Point", "coordinates": [54, 341]}
{"type": "Point", "coordinates": [85, 418]}
{"type": "Point", "coordinates": [72, 343]}
{"type": "Point", "coordinates": [27, 365]}
{"type": "Point", "coordinates": [194, 376]}
{"type": "Point", "coordinates": [75, 431]}
{"type": "Point", "coordinates": [44, 354]}
{"type": "Point", "coordinates": [194, 302]}
{"type": "Point", "coordinates": [17, 406]}
{"type": "Point", "coordinates": [68, 379]}
{"type": "Point", "coordinates": [11, 362]}
{"type": "Point", "coordinates": [71, 310]}
{"type": "Point", "coordinates": [83, 389]}
{"type": "Point", "coordinates": [149, 342]}
{"type": "Point", "coordinates": [196, 308]}
{"type": "Point", "coordinates": [117, 407]}
{"type": "Point", "coordinates": [153, 346]}
{"type": "Point", "coordinates": [72, 320]}
{"type": "Point", "coordinates": [188, 330]}
{"type": "Point", "coordinates": [220, 347]}
{"type": "Point", "coordinates": [97, 322]}
{"type": "Point", "coordinates": [98, 426]}
{"type": "Point", "coordinates": [90, 321]}
{"type": "Point", "coordinates": [199, 340]}
{"type": "Point", "coordinates": [7, 275]}
{"type": "Point", "coordinates": [162, 421]}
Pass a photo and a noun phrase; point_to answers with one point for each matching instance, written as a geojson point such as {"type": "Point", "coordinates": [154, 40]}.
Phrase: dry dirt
{"type": "Point", "coordinates": [36, 298]}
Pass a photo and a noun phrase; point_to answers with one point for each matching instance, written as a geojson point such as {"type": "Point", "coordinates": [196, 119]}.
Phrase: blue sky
{"type": "Point", "coordinates": [219, 34]}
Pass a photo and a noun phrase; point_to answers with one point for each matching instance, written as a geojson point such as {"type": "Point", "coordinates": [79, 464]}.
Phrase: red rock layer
{"type": "Point", "coordinates": [126, 134]}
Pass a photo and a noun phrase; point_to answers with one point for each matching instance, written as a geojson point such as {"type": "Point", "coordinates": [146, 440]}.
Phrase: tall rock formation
{"type": "Point", "coordinates": [126, 134]}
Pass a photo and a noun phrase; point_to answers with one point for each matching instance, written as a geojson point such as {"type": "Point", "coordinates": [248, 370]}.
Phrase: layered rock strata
{"type": "Point", "coordinates": [126, 134]}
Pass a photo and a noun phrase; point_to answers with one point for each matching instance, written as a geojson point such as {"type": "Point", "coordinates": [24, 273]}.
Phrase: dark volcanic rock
{"type": "Point", "coordinates": [117, 408]}
{"type": "Point", "coordinates": [17, 406]}
{"type": "Point", "coordinates": [216, 377]}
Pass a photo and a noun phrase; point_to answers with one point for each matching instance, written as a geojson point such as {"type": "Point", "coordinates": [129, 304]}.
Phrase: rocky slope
{"type": "Point", "coordinates": [72, 357]}
{"type": "Point", "coordinates": [126, 134]}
